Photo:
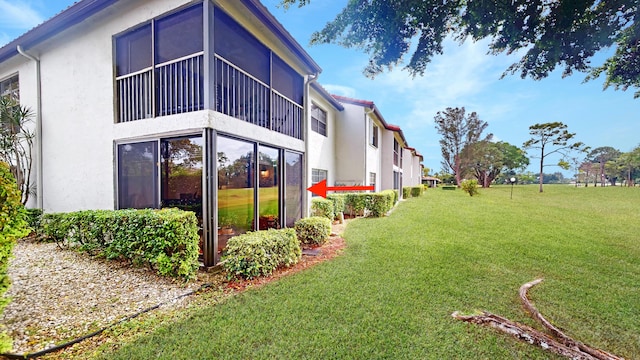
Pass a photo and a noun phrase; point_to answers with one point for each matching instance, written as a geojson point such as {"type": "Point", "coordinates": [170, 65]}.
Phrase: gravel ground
{"type": "Point", "coordinates": [61, 294]}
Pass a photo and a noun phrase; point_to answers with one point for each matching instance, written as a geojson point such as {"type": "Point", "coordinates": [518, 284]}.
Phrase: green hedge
{"type": "Point", "coordinates": [322, 207]}
{"type": "Point", "coordinates": [373, 204]}
{"type": "Point", "coordinates": [261, 252]}
{"type": "Point", "coordinates": [406, 192]}
{"type": "Point", "coordinates": [338, 202]}
{"type": "Point", "coordinates": [416, 191]}
{"type": "Point", "coordinates": [449, 187]}
{"type": "Point", "coordinates": [313, 230]}
{"type": "Point", "coordinates": [13, 226]}
{"type": "Point", "coordinates": [167, 239]}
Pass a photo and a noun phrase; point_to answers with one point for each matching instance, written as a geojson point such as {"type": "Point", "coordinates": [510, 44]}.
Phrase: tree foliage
{"type": "Point", "coordinates": [493, 158]}
{"type": "Point", "coordinates": [459, 131]}
{"type": "Point", "coordinates": [16, 143]}
{"type": "Point", "coordinates": [549, 34]}
{"type": "Point", "coordinates": [602, 155]}
{"type": "Point", "coordinates": [551, 138]}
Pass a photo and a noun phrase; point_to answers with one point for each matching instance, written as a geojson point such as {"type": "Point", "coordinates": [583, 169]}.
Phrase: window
{"type": "Point", "coordinates": [287, 81]}
{"type": "Point", "coordinates": [138, 175]}
{"type": "Point", "coordinates": [269, 188]}
{"type": "Point", "coordinates": [318, 120]}
{"type": "Point", "coordinates": [179, 34]}
{"type": "Point", "coordinates": [293, 188]}
{"type": "Point", "coordinates": [373, 134]}
{"type": "Point", "coordinates": [236, 45]}
{"type": "Point", "coordinates": [11, 88]}
{"type": "Point", "coordinates": [396, 153]}
{"type": "Point", "coordinates": [174, 76]}
{"type": "Point", "coordinates": [372, 180]}
{"type": "Point", "coordinates": [318, 175]}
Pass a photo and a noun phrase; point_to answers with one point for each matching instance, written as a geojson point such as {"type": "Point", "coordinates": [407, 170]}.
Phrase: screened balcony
{"type": "Point", "coordinates": [160, 71]}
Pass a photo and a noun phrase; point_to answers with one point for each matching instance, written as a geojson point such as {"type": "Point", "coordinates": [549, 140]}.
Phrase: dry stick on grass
{"type": "Point", "coordinates": [561, 344]}
{"type": "Point", "coordinates": [597, 353]}
{"type": "Point", "coordinates": [525, 333]}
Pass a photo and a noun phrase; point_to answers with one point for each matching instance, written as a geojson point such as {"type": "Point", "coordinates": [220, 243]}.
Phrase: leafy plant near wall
{"type": "Point", "coordinates": [406, 192]}
{"type": "Point", "coordinates": [16, 143]}
{"type": "Point", "coordinates": [338, 202]}
{"type": "Point", "coordinates": [313, 230]}
{"type": "Point", "coordinates": [322, 207]}
{"type": "Point", "coordinates": [13, 225]}
{"type": "Point", "coordinates": [259, 253]}
{"type": "Point", "coordinates": [166, 240]}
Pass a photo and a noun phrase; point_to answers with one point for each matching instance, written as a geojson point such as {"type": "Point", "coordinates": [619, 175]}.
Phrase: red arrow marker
{"type": "Point", "coordinates": [321, 188]}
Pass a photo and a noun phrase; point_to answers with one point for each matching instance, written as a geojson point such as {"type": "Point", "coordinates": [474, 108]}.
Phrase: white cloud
{"type": "Point", "coordinates": [340, 90]}
{"type": "Point", "coordinates": [18, 16]}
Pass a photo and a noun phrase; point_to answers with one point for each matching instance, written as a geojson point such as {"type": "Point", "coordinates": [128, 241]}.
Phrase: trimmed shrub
{"type": "Point", "coordinates": [470, 187]}
{"type": "Point", "coordinates": [13, 226]}
{"type": "Point", "coordinates": [416, 191]}
{"type": "Point", "coordinates": [338, 202]}
{"type": "Point", "coordinates": [166, 240]}
{"type": "Point", "coordinates": [449, 187]}
{"type": "Point", "coordinates": [313, 230]}
{"type": "Point", "coordinates": [322, 207]}
{"type": "Point", "coordinates": [261, 252]}
{"type": "Point", "coordinates": [355, 203]}
{"type": "Point", "coordinates": [406, 192]}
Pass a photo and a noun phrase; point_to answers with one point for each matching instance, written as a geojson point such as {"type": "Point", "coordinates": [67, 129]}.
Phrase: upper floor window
{"type": "Point", "coordinates": [159, 66]}
{"type": "Point", "coordinates": [318, 120]}
{"type": "Point", "coordinates": [396, 153]}
{"type": "Point", "coordinates": [10, 88]}
{"type": "Point", "coordinates": [373, 134]}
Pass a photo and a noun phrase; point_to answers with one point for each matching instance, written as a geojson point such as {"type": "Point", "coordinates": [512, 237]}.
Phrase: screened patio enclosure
{"type": "Point", "coordinates": [198, 57]}
{"type": "Point", "coordinates": [233, 185]}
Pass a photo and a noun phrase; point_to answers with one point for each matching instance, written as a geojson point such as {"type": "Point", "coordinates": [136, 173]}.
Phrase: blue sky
{"type": "Point", "coordinates": [463, 76]}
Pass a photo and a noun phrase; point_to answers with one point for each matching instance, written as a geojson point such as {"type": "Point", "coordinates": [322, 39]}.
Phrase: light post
{"type": "Point", "coordinates": [513, 181]}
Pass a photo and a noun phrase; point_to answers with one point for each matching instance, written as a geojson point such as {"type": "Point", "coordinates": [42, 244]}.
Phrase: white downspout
{"type": "Point", "coordinates": [365, 179]}
{"type": "Point", "coordinates": [39, 177]}
{"type": "Point", "coordinates": [307, 145]}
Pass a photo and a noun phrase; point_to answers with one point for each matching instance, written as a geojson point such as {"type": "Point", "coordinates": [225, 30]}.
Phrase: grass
{"type": "Point", "coordinates": [392, 292]}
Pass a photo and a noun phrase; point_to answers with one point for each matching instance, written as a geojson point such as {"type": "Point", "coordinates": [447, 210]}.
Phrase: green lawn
{"type": "Point", "coordinates": [392, 293]}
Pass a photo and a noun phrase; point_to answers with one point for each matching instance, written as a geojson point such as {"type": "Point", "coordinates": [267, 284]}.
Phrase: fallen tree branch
{"type": "Point", "coordinates": [525, 333]}
{"type": "Point", "coordinates": [562, 337]}
{"type": "Point", "coordinates": [558, 343]}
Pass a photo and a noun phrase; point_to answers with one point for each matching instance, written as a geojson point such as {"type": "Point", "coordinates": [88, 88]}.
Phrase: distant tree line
{"type": "Point", "coordinates": [467, 153]}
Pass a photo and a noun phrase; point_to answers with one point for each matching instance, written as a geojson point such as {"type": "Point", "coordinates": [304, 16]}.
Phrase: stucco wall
{"type": "Point", "coordinates": [350, 145]}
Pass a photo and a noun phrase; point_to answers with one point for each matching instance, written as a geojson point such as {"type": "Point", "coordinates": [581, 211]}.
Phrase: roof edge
{"type": "Point", "coordinates": [67, 18]}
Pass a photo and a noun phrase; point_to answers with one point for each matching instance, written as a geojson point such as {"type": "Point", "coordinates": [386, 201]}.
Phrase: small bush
{"type": "Point", "coordinates": [34, 217]}
{"type": "Point", "coordinates": [166, 239]}
{"type": "Point", "coordinates": [355, 203]}
{"type": "Point", "coordinates": [313, 230]}
{"type": "Point", "coordinates": [338, 203]}
{"type": "Point", "coordinates": [322, 207]}
{"type": "Point", "coordinates": [261, 252]}
{"type": "Point", "coordinates": [416, 191]}
{"type": "Point", "coordinates": [406, 192]}
{"type": "Point", "coordinates": [13, 226]}
{"type": "Point", "coordinates": [470, 187]}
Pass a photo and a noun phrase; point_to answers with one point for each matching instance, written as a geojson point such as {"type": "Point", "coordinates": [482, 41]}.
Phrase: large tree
{"type": "Point", "coordinates": [493, 158]}
{"type": "Point", "coordinates": [551, 138]}
{"type": "Point", "coordinates": [601, 155]}
{"type": "Point", "coordinates": [549, 34]}
{"type": "Point", "coordinates": [458, 131]}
